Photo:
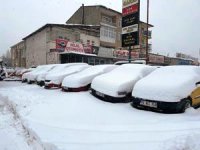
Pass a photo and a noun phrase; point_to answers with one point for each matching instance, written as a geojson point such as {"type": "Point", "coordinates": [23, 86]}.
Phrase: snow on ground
{"type": "Point", "coordinates": [77, 121]}
{"type": "Point", "coordinates": [13, 135]}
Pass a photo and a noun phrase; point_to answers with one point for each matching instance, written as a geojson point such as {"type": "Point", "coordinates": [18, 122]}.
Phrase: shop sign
{"type": "Point", "coordinates": [64, 45]}
{"type": "Point", "coordinates": [129, 29]}
{"type": "Point", "coordinates": [127, 3]}
{"type": "Point", "coordinates": [130, 19]}
{"type": "Point", "coordinates": [61, 44]}
{"type": "Point", "coordinates": [125, 54]}
{"type": "Point", "coordinates": [129, 10]}
{"type": "Point", "coordinates": [130, 39]}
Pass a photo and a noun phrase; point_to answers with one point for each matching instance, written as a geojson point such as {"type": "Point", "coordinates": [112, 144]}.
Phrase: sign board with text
{"type": "Point", "coordinates": [127, 3]}
{"type": "Point", "coordinates": [130, 39]}
{"type": "Point", "coordinates": [130, 23]}
{"type": "Point", "coordinates": [129, 10]}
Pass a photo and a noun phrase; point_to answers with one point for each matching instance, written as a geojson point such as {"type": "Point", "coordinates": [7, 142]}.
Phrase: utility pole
{"type": "Point", "coordinates": [147, 36]}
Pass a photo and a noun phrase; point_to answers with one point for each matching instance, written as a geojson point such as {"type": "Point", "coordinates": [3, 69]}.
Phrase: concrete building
{"type": "Point", "coordinates": [18, 54]}
{"type": "Point", "coordinates": [110, 29]}
{"type": "Point", "coordinates": [41, 45]}
{"type": "Point", "coordinates": [110, 26]}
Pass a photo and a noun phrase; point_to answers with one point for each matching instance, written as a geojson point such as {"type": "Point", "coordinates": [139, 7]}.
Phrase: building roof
{"type": "Point", "coordinates": [150, 25]}
{"type": "Point", "coordinates": [104, 8]}
{"type": "Point", "coordinates": [22, 42]}
{"type": "Point", "coordinates": [79, 26]}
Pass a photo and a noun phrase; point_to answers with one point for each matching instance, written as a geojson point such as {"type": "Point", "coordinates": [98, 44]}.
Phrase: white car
{"type": "Point", "coordinates": [117, 85]}
{"type": "Point", "coordinates": [33, 75]}
{"type": "Point", "coordinates": [40, 79]}
{"type": "Point", "coordinates": [170, 89]}
{"type": "Point", "coordinates": [25, 76]}
{"type": "Point", "coordinates": [81, 81]}
{"type": "Point", "coordinates": [55, 77]}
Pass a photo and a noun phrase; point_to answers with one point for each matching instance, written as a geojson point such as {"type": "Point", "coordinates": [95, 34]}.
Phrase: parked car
{"type": "Point", "coordinates": [81, 81]}
{"type": "Point", "coordinates": [25, 76]}
{"type": "Point", "coordinates": [40, 79]}
{"type": "Point", "coordinates": [26, 71]}
{"type": "Point", "coordinates": [33, 75]}
{"type": "Point", "coordinates": [116, 86]}
{"type": "Point", "coordinates": [55, 77]}
{"type": "Point", "coordinates": [170, 89]}
{"type": "Point", "coordinates": [3, 74]}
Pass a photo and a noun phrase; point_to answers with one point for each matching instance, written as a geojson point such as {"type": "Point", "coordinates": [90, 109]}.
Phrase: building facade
{"type": "Point", "coordinates": [18, 54]}
{"type": "Point", "coordinates": [110, 26]}
{"type": "Point", "coordinates": [41, 46]}
{"type": "Point", "coordinates": [110, 29]}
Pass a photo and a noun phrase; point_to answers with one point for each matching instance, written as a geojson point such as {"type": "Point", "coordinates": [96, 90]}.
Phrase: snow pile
{"type": "Point", "coordinates": [62, 121]}
{"type": "Point", "coordinates": [56, 77]}
{"type": "Point", "coordinates": [86, 76]}
{"type": "Point", "coordinates": [169, 84]}
{"type": "Point", "coordinates": [184, 142]}
{"type": "Point", "coordinates": [121, 79]}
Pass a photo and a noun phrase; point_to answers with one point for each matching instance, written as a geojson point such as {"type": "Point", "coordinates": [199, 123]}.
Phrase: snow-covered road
{"type": "Point", "coordinates": [78, 121]}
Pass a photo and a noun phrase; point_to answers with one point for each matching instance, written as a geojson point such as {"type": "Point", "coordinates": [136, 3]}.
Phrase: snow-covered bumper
{"type": "Point", "coordinates": [111, 99]}
{"type": "Point", "coordinates": [79, 89]}
{"type": "Point", "coordinates": [49, 84]}
{"type": "Point", "coordinates": [158, 106]}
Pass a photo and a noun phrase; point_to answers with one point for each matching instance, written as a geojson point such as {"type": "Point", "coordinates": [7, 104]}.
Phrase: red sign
{"type": "Point", "coordinates": [61, 44]}
{"type": "Point", "coordinates": [125, 54]}
{"type": "Point", "coordinates": [88, 49]}
{"type": "Point", "coordinates": [129, 10]}
{"type": "Point", "coordinates": [74, 47]}
{"type": "Point", "coordinates": [64, 45]}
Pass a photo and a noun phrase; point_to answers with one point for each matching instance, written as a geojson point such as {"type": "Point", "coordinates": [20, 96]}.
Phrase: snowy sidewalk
{"type": "Point", "coordinates": [77, 121]}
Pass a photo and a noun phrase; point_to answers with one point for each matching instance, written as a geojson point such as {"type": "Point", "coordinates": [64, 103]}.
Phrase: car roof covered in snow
{"type": "Point", "coordinates": [86, 76]}
{"type": "Point", "coordinates": [169, 84]}
{"type": "Point", "coordinates": [121, 79]}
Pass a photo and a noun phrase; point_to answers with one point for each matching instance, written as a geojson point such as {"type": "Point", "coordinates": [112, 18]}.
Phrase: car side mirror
{"type": "Point", "coordinates": [198, 83]}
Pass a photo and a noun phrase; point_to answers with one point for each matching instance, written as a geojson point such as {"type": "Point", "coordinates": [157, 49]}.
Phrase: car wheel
{"type": "Point", "coordinates": [186, 105]}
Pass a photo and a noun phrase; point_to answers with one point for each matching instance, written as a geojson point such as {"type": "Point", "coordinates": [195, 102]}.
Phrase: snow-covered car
{"type": "Point", "coordinates": [170, 89]}
{"type": "Point", "coordinates": [26, 71]}
{"type": "Point", "coordinates": [44, 69]}
{"type": "Point", "coordinates": [55, 77]}
{"type": "Point", "coordinates": [3, 74]}
{"type": "Point", "coordinates": [81, 81]}
{"type": "Point", "coordinates": [117, 85]}
{"type": "Point", "coordinates": [26, 75]}
{"type": "Point", "coordinates": [40, 79]}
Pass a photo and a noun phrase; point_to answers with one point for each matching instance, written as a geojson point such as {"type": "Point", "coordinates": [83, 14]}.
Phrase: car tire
{"type": "Point", "coordinates": [186, 105]}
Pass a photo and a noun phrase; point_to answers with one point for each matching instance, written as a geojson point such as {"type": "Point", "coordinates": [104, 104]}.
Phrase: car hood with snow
{"type": "Point", "coordinates": [56, 77]}
{"type": "Point", "coordinates": [86, 76]}
{"type": "Point", "coordinates": [168, 84]}
{"type": "Point", "coordinates": [121, 79]}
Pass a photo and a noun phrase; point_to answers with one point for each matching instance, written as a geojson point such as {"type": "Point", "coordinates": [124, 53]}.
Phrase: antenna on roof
{"type": "Point", "coordinates": [83, 14]}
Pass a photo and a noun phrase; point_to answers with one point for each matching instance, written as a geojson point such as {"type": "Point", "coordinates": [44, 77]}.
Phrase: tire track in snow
{"type": "Point", "coordinates": [31, 138]}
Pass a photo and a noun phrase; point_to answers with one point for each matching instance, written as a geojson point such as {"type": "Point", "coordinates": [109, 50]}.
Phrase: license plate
{"type": "Point", "coordinates": [149, 104]}
{"type": "Point", "coordinates": [99, 94]}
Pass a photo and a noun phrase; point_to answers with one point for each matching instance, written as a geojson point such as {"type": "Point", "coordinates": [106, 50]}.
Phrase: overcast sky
{"type": "Point", "coordinates": [176, 22]}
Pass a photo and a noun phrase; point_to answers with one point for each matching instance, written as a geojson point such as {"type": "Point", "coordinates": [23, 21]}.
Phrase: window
{"type": "Point", "coordinates": [120, 23]}
{"type": "Point", "coordinates": [107, 19]}
{"type": "Point", "coordinates": [108, 32]}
